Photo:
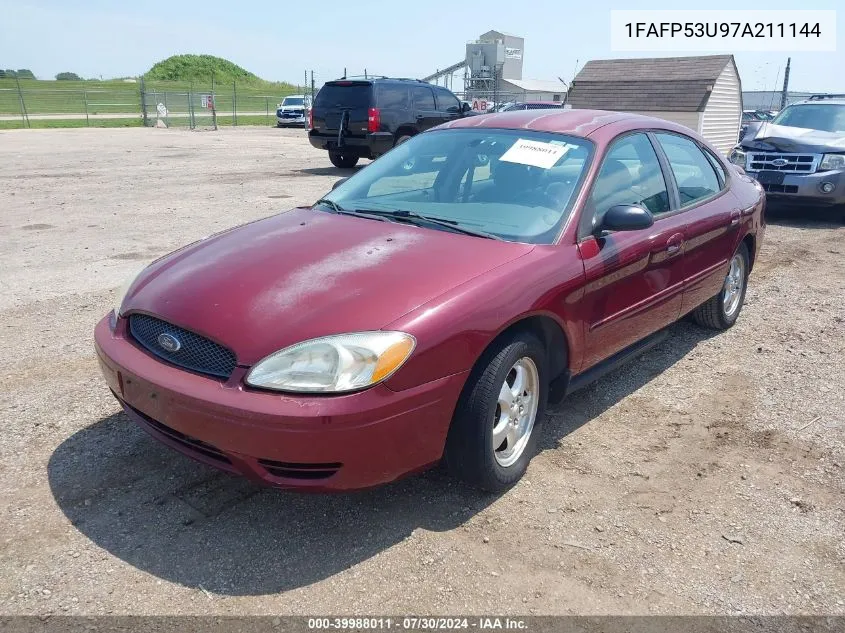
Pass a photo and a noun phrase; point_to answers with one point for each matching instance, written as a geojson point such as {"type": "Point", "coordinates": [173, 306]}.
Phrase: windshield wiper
{"type": "Point", "coordinates": [334, 206]}
{"type": "Point", "coordinates": [417, 218]}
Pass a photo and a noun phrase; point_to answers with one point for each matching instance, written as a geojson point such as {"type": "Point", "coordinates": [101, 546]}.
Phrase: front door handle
{"type": "Point", "coordinates": [674, 244]}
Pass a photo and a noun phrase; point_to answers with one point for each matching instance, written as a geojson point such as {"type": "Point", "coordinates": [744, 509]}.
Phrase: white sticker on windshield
{"type": "Point", "coordinates": [534, 153]}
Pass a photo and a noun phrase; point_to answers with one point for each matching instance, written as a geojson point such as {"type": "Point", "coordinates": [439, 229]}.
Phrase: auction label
{"type": "Point", "coordinates": [732, 31]}
{"type": "Point", "coordinates": [534, 153]}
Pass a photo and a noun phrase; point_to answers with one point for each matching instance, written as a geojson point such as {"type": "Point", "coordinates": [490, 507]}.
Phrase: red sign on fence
{"type": "Point", "coordinates": [208, 101]}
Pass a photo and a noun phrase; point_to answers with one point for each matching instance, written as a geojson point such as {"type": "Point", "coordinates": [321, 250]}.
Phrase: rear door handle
{"type": "Point", "coordinates": [735, 213]}
{"type": "Point", "coordinates": [420, 117]}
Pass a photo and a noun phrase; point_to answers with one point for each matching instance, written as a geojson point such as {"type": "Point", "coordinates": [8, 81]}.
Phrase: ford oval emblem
{"type": "Point", "coordinates": [780, 162]}
{"type": "Point", "coordinates": [169, 342]}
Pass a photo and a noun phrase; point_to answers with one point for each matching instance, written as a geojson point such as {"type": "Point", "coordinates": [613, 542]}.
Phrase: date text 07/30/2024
{"type": "Point", "coordinates": [416, 623]}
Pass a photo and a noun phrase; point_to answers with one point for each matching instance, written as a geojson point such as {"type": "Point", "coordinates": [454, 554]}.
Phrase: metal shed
{"type": "Point", "coordinates": [704, 93]}
{"type": "Point", "coordinates": [534, 89]}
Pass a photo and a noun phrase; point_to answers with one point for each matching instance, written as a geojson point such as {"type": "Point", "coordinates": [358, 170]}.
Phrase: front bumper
{"type": "Point", "coordinates": [806, 188]}
{"type": "Point", "coordinates": [316, 443]}
{"type": "Point", "coordinates": [370, 146]}
{"type": "Point", "coordinates": [297, 120]}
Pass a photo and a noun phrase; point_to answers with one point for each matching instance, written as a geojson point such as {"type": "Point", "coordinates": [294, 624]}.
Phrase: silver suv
{"type": "Point", "coordinates": [799, 156]}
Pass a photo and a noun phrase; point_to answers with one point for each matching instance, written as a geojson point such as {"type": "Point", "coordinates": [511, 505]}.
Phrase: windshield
{"type": "Point", "coordinates": [293, 101]}
{"type": "Point", "coordinates": [516, 185]}
{"type": "Point", "coordinates": [827, 117]}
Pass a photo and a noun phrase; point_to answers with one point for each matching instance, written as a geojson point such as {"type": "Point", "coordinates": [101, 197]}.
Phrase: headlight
{"type": "Point", "coordinates": [737, 157]}
{"type": "Point", "coordinates": [121, 293]}
{"type": "Point", "coordinates": [334, 364]}
{"type": "Point", "coordinates": [832, 161]}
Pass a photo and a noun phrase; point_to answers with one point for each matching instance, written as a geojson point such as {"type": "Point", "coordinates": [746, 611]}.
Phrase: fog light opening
{"type": "Point", "coordinates": [827, 187]}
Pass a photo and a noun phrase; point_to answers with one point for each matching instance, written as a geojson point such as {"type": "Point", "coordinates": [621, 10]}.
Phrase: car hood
{"type": "Point", "coordinates": [305, 273]}
{"type": "Point", "coordinates": [782, 138]}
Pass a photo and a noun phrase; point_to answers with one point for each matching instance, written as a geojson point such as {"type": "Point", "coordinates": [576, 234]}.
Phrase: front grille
{"type": "Point", "coordinates": [781, 188]}
{"type": "Point", "coordinates": [192, 444]}
{"type": "Point", "coordinates": [290, 470]}
{"type": "Point", "coordinates": [195, 352]}
{"type": "Point", "coordinates": [794, 163]}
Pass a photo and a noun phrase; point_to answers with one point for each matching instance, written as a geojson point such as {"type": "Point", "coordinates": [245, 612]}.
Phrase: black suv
{"type": "Point", "coordinates": [354, 118]}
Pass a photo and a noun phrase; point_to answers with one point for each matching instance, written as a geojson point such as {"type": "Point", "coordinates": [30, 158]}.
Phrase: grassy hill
{"type": "Point", "coordinates": [199, 68]}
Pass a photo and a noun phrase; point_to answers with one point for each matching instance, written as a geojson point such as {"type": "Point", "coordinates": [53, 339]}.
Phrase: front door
{"type": "Point", "coordinates": [634, 279]}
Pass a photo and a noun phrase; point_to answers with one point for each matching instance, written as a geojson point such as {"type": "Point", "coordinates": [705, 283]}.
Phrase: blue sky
{"type": "Point", "coordinates": [279, 40]}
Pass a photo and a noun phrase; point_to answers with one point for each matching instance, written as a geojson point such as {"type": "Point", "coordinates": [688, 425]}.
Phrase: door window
{"type": "Point", "coordinates": [446, 100]}
{"type": "Point", "coordinates": [422, 97]}
{"type": "Point", "coordinates": [630, 174]}
{"type": "Point", "coordinates": [694, 174]}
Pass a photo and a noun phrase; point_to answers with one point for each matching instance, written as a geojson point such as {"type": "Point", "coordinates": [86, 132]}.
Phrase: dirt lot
{"type": "Point", "coordinates": [706, 477]}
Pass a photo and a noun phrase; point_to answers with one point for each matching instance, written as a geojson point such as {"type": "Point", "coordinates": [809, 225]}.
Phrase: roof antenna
{"type": "Point", "coordinates": [344, 72]}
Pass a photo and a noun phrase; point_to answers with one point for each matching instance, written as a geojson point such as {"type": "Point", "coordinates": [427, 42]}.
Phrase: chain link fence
{"type": "Point", "coordinates": [33, 103]}
{"type": "Point", "coordinates": [122, 103]}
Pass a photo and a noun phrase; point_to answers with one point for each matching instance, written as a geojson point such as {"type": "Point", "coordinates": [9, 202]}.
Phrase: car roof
{"type": "Point", "coordinates": [574, 122]}
{"type": "Point", "coordinates": [362, 81]}
{"type": "Point", "coordinates": [834, 101]}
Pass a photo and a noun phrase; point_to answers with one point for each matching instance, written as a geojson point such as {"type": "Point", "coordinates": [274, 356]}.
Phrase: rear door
{"type": "Point", "coordinates": [343, 102]}
{"type": "Point", "coordinates": [712, 216]}
{"type": "Point", "coordinates": [448, 104]}
{"type": "Point", "coordinates": [426, 114]}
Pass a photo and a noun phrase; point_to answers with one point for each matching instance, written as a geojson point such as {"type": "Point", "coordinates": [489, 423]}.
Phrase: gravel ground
{"type": "Point", "coordinates": [706, 477]}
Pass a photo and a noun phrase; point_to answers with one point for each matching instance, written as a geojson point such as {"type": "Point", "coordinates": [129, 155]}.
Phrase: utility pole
{"type": "Point", "coordinates": [785, 92]}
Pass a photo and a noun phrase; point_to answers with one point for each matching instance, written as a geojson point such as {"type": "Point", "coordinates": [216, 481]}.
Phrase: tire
{"type": "Point", "coordinates": [720, 313]}
{"type": "Point", "coordinates": [401, 139]}
{"type": "Point", "coordinates": [344, 161]}
{"type": "Point", "coordinates": [470, 451]}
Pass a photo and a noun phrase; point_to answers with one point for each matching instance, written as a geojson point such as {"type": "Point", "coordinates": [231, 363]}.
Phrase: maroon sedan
{"type": "Point", "coordinates": [430, 305]}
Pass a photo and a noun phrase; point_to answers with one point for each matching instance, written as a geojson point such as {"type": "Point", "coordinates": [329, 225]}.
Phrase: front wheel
{"type": "Point", "coordinates": [722, 310]}
{"type": "Point", "coordinates": [498, 418]}
{"type": "Point", "coordinates": [344, 161]}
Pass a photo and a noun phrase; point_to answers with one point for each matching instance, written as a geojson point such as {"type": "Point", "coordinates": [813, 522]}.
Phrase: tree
{"type": "Point", "coordinates": [25, 73]}
{"type": "Point", "coordinates": [68, 77]}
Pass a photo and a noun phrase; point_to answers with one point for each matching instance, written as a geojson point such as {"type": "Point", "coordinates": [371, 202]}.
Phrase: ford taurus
{"type": "Point", "coordinates": [430, 306]}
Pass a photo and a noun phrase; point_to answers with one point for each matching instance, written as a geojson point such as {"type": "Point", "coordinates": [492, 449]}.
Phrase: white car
{"type": "Point", "coordinates": [293, 110]}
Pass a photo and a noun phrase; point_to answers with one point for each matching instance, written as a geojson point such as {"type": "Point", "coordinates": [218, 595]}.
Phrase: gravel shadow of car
{"type": "Point", "coordinates": [332, 171]}
{"type": "Point", "coordinates": [803, 217]}
{"type": "Point", "coordinates": [184, 522]}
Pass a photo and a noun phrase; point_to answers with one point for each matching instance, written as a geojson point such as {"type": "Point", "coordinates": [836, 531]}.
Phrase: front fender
{"type": "Point", "coordinates": [454, 329]}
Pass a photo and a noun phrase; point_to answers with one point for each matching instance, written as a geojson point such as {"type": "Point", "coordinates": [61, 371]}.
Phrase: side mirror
{"type": "Point", "coordinates": [338, 183]}
{"type": "Point", "coordinates": [465, 107]}
{"type": "Point", "coordinates": [625, 217]}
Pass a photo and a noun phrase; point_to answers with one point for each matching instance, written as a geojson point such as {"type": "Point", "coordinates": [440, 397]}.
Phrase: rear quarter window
{"type": "Point", "coordinates": [390, 96]}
